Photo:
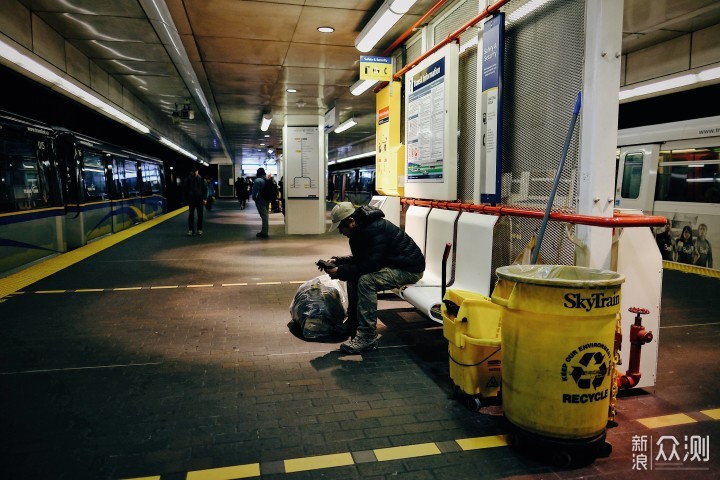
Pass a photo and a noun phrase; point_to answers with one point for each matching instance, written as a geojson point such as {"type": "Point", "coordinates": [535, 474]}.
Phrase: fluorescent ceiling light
{"type": "Point", "coordinates": [361, 86]}
{"type": "Point", "coordinates": [354, 157]}
{"type": "Point", "coordinates": [345, 125]}
{"type": "Point", "coordinates": [178, 148]}
{"type": "Point", "coordinates": [35, 68]}
{"type": "Point", "coordinates": [291, 90]}
{"type": "Point", "coordinates": [265, 123]}
{"type": "Point", "coordinates": [388, 15]}
{"type": "Point", "coordinates": [673, 82]}
{"type": "Point", "coordinates": [325, 29]}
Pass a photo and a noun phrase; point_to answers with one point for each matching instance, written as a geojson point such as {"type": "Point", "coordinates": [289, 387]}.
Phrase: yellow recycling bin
{"type": "Point", "coordinates": [558, 334]}
{"type": "Point", "coordinates": [472, 329]}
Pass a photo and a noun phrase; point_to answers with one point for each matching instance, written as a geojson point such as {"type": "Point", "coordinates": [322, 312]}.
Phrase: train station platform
{"type": "Point", "coordinates": [154, 355]}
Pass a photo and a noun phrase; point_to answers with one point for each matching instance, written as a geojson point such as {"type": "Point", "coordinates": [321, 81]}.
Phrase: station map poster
{"type": "Point", "coordinates": [302, 162]}
{"type": "Point", "coordinates": [491, 108]}
{"type": "Point", "coordinates": [431, 109]}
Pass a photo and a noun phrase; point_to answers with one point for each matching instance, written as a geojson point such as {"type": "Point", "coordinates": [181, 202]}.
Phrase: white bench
{"type": "Point", "coordinates": [416, 224]}
{"type": "Point", "coordinates": [471, 266]}
{"type": "Point", "coordinates": [426, 293]}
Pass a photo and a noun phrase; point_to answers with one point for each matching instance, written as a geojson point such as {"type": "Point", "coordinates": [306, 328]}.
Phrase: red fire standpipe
{"type": "Point", "coordinates": [638, 337]}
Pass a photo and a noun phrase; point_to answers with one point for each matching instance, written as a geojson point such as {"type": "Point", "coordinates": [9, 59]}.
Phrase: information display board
{"type": "Point", "coordinates": [302, 162]}
{"type": "Point", "coordinates": [431, 109]}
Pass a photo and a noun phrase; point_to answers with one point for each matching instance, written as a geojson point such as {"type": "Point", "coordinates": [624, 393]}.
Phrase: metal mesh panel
{"type": "Point", "coordinates": [544, 55]}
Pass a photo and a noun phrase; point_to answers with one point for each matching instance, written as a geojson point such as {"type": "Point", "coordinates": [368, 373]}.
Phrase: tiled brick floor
{"type": "Point", "coordinates": [205, 374]}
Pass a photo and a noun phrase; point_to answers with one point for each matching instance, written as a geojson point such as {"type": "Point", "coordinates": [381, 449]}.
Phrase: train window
{"type": "Point", "coordinates": [24, 180]}
{"type": "Point", "coordinates": [94, 177]}
{"type": "Point", "coordinates": [130, 182]}
{"type": "Point", "coordinates": [151, 178]}
{"type": "Point", "coordinates": [632, 175]}
{"type": "Point", "coordinates": [691, 175]}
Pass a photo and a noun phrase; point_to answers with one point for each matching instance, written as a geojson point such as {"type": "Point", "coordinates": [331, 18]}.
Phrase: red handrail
{"type": "Point", "coordinates": [616, 221]}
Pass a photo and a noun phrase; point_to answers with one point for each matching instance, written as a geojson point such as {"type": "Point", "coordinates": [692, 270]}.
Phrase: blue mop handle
{"type": "Point", "coordinates": [551, 200]}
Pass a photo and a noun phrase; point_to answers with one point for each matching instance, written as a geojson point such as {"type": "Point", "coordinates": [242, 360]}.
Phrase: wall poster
{"type": "Point", "coordinates": [302, 162]}
{"type": "Point", "coordinates": [431, 109]}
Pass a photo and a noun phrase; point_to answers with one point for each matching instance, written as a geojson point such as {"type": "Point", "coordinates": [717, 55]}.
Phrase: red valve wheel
{"type": "Point", "coordinates": [641, 311]}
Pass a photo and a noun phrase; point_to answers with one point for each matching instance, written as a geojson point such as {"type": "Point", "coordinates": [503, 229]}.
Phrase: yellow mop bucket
{"type": "Point", "coordinates": [472, 329]}
{"type": "Point", "coordinates": [558, 333]}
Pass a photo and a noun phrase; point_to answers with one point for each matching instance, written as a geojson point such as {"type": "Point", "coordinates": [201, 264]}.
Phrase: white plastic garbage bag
{"type": "Point", "coordinates": [318, 309]}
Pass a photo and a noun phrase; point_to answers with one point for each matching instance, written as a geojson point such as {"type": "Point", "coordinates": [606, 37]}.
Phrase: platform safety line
{"type": "Point", "coordinates": [343, 459]}
{"type": "Point", "coordinates": [676, 419]}
{"type": "Point", "coordinates": [17, 281]}
{"type": "Point", "coordinates": [70, 369]}
{"type": "Point", "coordinates": [694, 269]}
{"type": "Point", "coordinates": [154, 287]}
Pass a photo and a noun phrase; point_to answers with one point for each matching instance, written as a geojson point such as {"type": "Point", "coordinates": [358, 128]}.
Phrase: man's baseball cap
{"type": "Point", "coordinates": [340, 212]}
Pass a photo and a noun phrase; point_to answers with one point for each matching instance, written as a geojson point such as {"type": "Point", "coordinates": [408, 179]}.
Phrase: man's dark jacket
{"type": "Point", "coordinates": [195, 190]}
{"type": "Point", "coordinates": [376, 243]}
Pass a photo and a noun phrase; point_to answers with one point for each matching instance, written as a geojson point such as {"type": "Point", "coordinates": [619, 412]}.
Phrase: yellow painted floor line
{"type": "Point", "coordinates": [714, 413]}
{"type": "Point", "coordinates": [226, 473]}
{"type": "Point", "coordinates": [318, 462]}
{"type": "Point", "coordinates": [666, 420]}
{"type": "Point", "coordinates": [407, 451]}
{"type": "Point", "coordinates": [125, 289]}
{"type": "Point", "coordinates": [17, 281]}
{"type": "Point", "coordinates": [234, 284]}
{"type": "Point", "coordinates": [164, 286]}
{"type": "Point", "coordinates": [51, 291]}
{"type": "Point", "coordinates": [206, 285]}
{"type": "Point", "coordinates": [85, 290]}
{"type": "Point", "coordinates": [483, 442]}
{"type": "Point", "coordinates": [268, 283]}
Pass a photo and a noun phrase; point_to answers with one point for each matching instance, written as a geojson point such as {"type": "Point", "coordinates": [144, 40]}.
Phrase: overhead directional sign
{"type": "Point", "coordinates": [376, 68]}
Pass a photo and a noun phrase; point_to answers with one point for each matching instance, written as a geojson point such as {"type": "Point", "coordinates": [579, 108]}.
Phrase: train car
{"type": "Point", "coordinates": [673, 170]}
{"type": "Point", "coordinates": [32, 213]}
{"type": "Point", "coordinates": [61, 190]}
{"type": "Point", "coordinates": [355, 184]}
{"type": "Point", "coordinates": [110, 190]}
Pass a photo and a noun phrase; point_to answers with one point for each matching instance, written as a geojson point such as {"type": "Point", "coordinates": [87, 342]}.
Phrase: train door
{"type": "Point", "coordinates": [121, 208]}
{"type": "Point", "coordinates": [636, 177]}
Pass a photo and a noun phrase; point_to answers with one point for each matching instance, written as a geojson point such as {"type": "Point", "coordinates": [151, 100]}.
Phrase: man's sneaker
{"type": "Point", "coordinates": [190, 233]}
{"type": "Point", "coordinates": [199, 232]}
{"type": "Point", "coordinates": [359, 345]}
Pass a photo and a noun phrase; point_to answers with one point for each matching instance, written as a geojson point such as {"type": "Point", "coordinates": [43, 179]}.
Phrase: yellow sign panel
{"type": "Point", "coordinates": [376, 68]}
{"type": "Point", "coordinates": [390, 154]}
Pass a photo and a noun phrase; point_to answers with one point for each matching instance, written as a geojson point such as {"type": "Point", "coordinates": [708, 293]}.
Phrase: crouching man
{"type": "Point", "coordinates": [383, 257]}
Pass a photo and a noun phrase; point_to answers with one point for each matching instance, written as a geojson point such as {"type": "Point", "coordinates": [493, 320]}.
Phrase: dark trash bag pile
{"type": "Point", "coordinates": [318, 309]}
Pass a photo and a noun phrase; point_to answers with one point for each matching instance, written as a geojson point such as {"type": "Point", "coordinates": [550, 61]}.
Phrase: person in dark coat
{"type": "Point", "coordinates": [383, 257]}
{"type": "Point", "coordinates": [241, 191]}
{"type": "Point", "coordinates": [195, 191]}
{"type": "Point", "coordinates": [260, 203]}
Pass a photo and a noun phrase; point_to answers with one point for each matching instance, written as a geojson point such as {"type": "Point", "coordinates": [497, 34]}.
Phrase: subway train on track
{"type": "Point", "coordinates": [673, 170]}
{"type": "Point", "coordinates": [60, 190]}
{"type": "Point", "coordinates": [352, 182]}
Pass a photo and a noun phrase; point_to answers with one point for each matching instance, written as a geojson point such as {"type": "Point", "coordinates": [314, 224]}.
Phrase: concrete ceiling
{"type": "Point", "coordinates": [246, 54]}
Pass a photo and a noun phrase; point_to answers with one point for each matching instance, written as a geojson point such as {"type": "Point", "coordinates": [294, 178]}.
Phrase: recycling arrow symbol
{"type": "Point", "coordinates": [592, 372]}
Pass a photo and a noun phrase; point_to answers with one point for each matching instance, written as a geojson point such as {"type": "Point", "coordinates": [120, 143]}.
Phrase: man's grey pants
{"type": "Point", "coordinates": [262, 209]}
{"type": "Point", "coordinates": [362, 296]}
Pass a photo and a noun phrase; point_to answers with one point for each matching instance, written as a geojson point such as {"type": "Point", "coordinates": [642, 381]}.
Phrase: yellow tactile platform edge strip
{"type": "Point", "coordinates": [341, 459]}
{"type": "Point", "coordinates": [400, 453]}
{"type": "Point", "coordinates": [34, 273]}
{"type": "Point", "coordinates": [683, 267]}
